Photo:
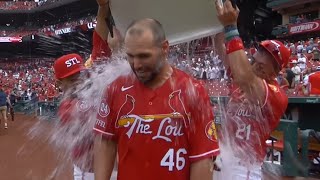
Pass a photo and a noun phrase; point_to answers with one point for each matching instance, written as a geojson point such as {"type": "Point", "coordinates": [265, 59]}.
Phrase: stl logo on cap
{"type": "Point", "coordinates": [72, 61]}
{"type": "Point", "coordinates": [68, 65]}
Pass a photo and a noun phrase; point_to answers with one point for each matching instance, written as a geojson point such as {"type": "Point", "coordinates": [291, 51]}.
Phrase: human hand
{"type": "Point", "coordinates": [226, 13]}
{"type": "Point", "coordinates": [115, 41]}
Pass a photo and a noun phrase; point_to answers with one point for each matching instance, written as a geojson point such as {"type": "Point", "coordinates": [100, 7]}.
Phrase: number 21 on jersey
{"type": "Point", "coordinates": [174, 159]}
{"type": "Point", "coordinates": [243, 132]}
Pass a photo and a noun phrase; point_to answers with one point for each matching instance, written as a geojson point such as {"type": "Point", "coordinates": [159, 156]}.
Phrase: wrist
{"type": "Point", "coordinates": [230, 32]}
{"type": "Point", "coordinates": [235, 44]}
{"type": "Point", "coordinates": [104, 4]}
{"type": "Point", "coordinates": [230, 27]}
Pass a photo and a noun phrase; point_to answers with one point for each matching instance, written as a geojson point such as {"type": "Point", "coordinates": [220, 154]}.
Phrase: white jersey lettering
{"type": "Point", "coordinates": [139, 125]}
{"type": "Point", "coordinates": [168, 130]}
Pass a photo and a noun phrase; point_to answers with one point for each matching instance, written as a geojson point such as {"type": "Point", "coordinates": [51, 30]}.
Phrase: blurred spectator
{"type": "Point", "coordinates": [296, 71]}
{"type": "Point", "coordinates": [292, 48]}
{"type": "Point", "coordinates": [282, 81]}
{"type": "Point", "coordinates": [299, 47]}
{"type": "Point", "coordinates": [302, 60]}
{"type": "Point", "coordinates": [316, 54]}
{"type": "Point", "coordinates": [289, 75]}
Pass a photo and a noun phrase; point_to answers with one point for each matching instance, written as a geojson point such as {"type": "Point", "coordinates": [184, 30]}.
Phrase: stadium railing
{"type": "Point", "coordinates": [42, 108]}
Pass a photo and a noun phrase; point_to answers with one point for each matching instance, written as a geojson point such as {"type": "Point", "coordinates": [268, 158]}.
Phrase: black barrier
{"type": "Point", "coordinates": [47, 108]}
{"type": "Point", "coordinates": [43, 108]}
{"type": "Point", "coordinates": [25, 107]}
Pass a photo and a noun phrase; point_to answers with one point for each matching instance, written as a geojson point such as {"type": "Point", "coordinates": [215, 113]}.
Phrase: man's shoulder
{"type": "Point", "coordinates": [180, 73]}
{"type": "Point", "coordinates": [121, 81]}
{"type": "Point", "coordinates": [183, 76]}
{"type": "Point", "coordinates": [276, 93]}
{"type": "Point", "coordinates": [273, 85]}
{"type": "Point", "coordinates": [192, 87]}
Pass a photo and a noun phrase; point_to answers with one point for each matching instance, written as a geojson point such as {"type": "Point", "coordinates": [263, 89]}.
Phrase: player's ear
{"type": "Point", "coordinates": [165, 47]}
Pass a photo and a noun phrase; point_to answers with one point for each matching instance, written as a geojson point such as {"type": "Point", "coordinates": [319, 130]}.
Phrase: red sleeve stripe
{"type": "Point", "coordinates": [205, 154]}
{"type": "Point", "coordinates": [102, 132]}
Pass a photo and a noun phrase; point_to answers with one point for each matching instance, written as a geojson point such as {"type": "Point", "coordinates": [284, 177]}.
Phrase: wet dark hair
{"type": "Point", "coordinates": [137, 27]}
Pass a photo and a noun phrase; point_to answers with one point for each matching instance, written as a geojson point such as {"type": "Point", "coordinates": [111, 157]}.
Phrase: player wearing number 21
{"type": "Point", "coordinates": [256, 102]}
{"type": "Point", "coordinates": [157, 118]}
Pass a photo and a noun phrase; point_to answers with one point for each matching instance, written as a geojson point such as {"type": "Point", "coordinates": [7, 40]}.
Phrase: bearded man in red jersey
{"type": "Point", "coordinates": [157, 118]}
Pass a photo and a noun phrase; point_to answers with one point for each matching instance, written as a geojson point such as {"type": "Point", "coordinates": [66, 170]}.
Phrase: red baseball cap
{"type": "Point", "coordinates": [278, 50]}
{"type": "Point", "coordinates": [68, 65]}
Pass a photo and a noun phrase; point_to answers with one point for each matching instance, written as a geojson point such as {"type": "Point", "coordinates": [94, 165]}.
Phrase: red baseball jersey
{"type": "Point", "coordinates": [247, 126]}
{"type": "Point", "coordinates": [69, 110]}
{"type": "Point", "coordinates": [100, 47]}
{"type": "Point", "coordinates": [159, 132]}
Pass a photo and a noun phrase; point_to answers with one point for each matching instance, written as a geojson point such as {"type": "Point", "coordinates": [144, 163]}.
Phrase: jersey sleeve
{"type": "Point", "coordinates": [202, 132]}
{"type": "Point", "coordinates": [275, 105]}
{"type": "Point", "coordinates": [100, 48]}
{"type": "Point", "coordinates": [105, 117]}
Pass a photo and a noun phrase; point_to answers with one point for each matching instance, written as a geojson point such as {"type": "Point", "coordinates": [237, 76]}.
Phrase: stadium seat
{"type": "Point", "coordinates": [290, 149]}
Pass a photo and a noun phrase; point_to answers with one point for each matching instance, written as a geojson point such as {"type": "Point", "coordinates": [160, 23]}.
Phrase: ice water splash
{"type": "Point", "coordinates": [75, 137]}
{"type": "Point", "coordinates": [64, 139]}
{"type": "Point", "coordinates": [241, 126]}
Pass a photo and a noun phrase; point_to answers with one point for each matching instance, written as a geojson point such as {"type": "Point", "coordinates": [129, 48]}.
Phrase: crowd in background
{"type": "Point", "coordinates": [304, 60]}
{"type": "Point", "coordinates": [29, 79]}
{"type": "Point", "coordinates": [34, 78]}
{"type": "Point", "coordinates": [46, 29]}
{"type": "Point", "coordinates": [303, 18]}
{"type": "Point", "coordinates": [17, 5]}
{"type": "Point", "coordinates": [23, 5]}
{"type": "Point", "coordinates": [74, 23]}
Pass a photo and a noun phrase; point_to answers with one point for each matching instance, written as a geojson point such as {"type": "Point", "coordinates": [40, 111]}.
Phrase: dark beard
{"type": "Point", "coordinates": [154, 74]}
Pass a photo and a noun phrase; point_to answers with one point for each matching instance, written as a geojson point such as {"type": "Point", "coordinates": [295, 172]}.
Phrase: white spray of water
{"type": "Point", "coordinates": [238, 157]}
{"type": "Point", "coordinates": [77, 134]}
{"type": "Point", "coordinates": [65, 139]}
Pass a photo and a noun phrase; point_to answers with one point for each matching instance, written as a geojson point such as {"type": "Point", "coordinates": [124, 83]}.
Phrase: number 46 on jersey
{"type": "Point", "coordinates": [174, 159]}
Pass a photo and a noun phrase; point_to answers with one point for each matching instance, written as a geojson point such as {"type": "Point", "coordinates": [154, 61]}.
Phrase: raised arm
{"type": "Point", "coordinates": [240, 67]}
{"type": "Point", "coordinates": [103, 11]}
